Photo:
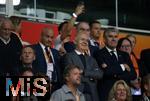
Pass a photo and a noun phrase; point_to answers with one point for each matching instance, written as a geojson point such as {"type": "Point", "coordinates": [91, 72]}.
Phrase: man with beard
{"type": "Point", "coordinates": [69, 91]}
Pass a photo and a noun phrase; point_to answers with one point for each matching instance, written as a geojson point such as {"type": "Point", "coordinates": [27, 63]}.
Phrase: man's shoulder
{"type": "Point", "coordinates": [59, 91]}
{"type": "Point", "coordinates": [35, 46]}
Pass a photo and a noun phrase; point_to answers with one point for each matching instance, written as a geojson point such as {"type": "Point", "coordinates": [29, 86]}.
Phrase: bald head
{"type": "Point", "coordinates": [47, 36]}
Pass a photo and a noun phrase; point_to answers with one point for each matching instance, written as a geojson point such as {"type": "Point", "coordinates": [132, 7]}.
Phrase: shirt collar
{"type": "Point", "coordinates": [43, 46]}
{"type": "Point", "coordinates": [92, 41]}
{"type": "Point", "coordinates": [67, 90]}
{"type": "Point", "coordinates": [78, 52]}
{"type": "Point", "coordinates": [109, 50]}
{"type": "Point", "coordinates": [4, 41]}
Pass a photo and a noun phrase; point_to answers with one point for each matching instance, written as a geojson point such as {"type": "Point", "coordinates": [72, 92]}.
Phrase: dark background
{"type": "Point", "coordinates": [132, 13]}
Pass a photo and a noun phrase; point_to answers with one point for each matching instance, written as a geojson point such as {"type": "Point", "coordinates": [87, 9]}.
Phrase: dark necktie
{"type": "Point", "coordinates": [82, 57]}
{"type": "Point", "coordinates": [54, 74]}
{"type": "Point", "coordinates": [113, 56]}
{"type": "Point", "coordinates": [48, 55]}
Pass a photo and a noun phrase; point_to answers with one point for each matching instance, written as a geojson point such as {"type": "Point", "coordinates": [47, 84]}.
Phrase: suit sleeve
{"type": "Point", "coordinates": [94, 71]}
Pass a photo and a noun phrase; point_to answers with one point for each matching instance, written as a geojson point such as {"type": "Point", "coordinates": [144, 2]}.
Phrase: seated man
{"type": "Point", "coordinates": [27, 57]}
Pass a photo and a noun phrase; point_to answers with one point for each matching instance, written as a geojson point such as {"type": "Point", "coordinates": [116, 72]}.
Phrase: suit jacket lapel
{"type": "Point", "coordinates": [77, 59]}
{"type": "Point", "coordinates": [107, 55]}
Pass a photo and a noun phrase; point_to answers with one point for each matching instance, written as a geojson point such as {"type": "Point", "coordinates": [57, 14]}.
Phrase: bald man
{"type": "Point", "coordinates": [47, 58]}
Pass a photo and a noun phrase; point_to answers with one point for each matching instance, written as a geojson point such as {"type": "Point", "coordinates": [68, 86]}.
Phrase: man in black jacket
{"type": "Point", "coordinates": [10, 48]}
{"type": "Point", "coordinates": [115, 64]}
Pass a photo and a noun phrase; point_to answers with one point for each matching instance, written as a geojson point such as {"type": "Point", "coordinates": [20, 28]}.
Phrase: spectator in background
{"type": "Point", "coordinates": [88, 65]}
{"type": "Point", "coordinates": [124, 44]}
{"type": "Point", "coordinates": [47, 58]}
{"type": "Point", "coordinates": [95, 34]}
{"type": "Point", "coordinates": [133, 40]}
{"type": "Point", "coordinates": [27, 58]}
{"type": "Point", "coordinates": [145, 59]}
{"type": "Point", "coordinates": [10, 48]}
{"type": "Point", "coordinates": [120, 92]}
{"type": "Point", "coordinates": [146, 87]}
{"type": "Point", "coordinates": [69, 91]}
{"type": "Point", "coordinates": [58, 42]}
{"type": "Point", "coordinates": [83, 27]}
{"type": "Point", "coordinates": [65, 29]}
{"type": "Point", "coordinates": [80, 27]}
{"type": "Point", "coordinates": [17, 28]}
{"type": "Point", "coordinates": [115, 64]}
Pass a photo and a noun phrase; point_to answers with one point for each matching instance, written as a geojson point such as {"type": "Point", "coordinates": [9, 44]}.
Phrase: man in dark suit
{"type": "Point", "coordinates": [91, 71]}
{"type": "Point", "coordinates": [114, 63]}
{"type": "Point", "coordinates": [47, 58]}
{"type": "Point", "coordinates": [145, 59]}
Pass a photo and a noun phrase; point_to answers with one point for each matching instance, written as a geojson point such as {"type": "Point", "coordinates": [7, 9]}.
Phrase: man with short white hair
{"type": "Point", "coordinates": [10, 48]}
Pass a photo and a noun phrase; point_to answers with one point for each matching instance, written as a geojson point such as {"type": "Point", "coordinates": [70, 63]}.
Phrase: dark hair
{"type": "Point", "coordinates": [16, 20]}
{"type": "Point", "coordinates": [67, 70]}
{"type": "Point", "coordinates": [25, 69]}
{"type": "Point", "coordinates": [93, 22]}
{"type": "Point", "coordinates": [61, 25]}
{"type": "Point", "coordinates": [120, 41]}
{"type": "Point", "coordinates": [28, 46]}
{"type": "Point", "coordinates": [109, 30]}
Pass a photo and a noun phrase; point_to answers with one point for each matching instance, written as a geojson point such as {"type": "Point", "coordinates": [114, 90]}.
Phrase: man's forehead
{"type": "Point", "coordinates": [6, 23]}
{"type": "Point", "coordinates": [28, 49]}
{"type": "Point", "coordinates": [112, 34]}
{"type": "Point", "coordinates": [48, 33]}
{"type": "Point", "coordinates": [83, 24]}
